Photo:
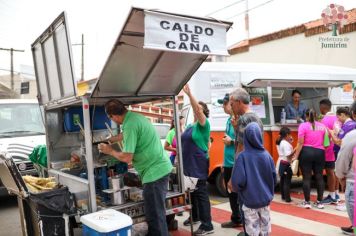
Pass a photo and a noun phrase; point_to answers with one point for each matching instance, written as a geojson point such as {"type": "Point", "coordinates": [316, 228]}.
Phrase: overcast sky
{"type": "Point", "coordinates": [22, 21]}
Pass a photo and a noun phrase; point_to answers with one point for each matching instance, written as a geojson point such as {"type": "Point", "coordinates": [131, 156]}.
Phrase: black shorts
{"type": "Point", "coordinates": [329, 165]}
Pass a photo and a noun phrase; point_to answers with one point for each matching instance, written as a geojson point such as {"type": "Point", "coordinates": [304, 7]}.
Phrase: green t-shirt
{"type": "Point", "coordinates": [141, 139]}
{"type": "Point", "coordinates": [229, 150]}
{"type": "Point", "coordinates": [201, 135]}
{"type": "Point", "coordinates": [170, 136]}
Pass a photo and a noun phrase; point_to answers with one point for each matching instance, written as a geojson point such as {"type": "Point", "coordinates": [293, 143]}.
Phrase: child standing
{"type": "Point", "coordinates": [285, 153]}
{"type": "Point", "coordinates": [254, 179]}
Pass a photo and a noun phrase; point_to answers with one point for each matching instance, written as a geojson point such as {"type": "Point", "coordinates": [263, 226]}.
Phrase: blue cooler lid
{"type": "Point", "coordinates": [106, 221]}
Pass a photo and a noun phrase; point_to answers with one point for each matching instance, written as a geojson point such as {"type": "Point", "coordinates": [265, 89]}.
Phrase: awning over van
{"type": "Point", "coordinates": [135, 73]}
{"type": "Point", "coordinates": [292, 75]}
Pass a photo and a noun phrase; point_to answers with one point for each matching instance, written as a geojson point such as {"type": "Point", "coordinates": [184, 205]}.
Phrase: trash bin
{"type": "Point", "coordinates": [106, 223]}
{"type": "Point", "coordinates": [52, 211]}
{"type": "Point", "coordinates": [46, 213]}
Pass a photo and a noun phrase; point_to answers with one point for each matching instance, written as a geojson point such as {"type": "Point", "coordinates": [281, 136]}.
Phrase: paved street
{"type": "Point", "coordinates": [287, 219]}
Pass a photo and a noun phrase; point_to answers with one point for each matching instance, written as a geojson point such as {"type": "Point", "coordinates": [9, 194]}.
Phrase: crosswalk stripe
{"type": "Point", "coordinates": [287, 219]}
{"type": "Point", "coordinates": [328, 208]}
{"type": "Point", "coordinates": [310, 214]}
{"type": "Point", "coordinates": [221, 215]}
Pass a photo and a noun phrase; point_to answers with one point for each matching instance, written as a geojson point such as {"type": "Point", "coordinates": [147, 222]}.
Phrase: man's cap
{"type": "Point", "coordinates": [225, 99]}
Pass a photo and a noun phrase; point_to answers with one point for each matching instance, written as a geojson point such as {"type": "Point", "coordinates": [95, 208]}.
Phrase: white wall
{"type": "Point", "coordinates": [299, 49]}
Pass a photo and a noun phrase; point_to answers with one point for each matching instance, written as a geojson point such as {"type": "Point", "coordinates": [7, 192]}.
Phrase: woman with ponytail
{"type": "Point", "coordinates": [285, 153]}
{"type": "Point", "coordinates": [310, 150]}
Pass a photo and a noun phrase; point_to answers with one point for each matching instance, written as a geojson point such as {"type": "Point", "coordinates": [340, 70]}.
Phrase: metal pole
{"type": "Point", "coordinates": [12, 67]}
{"type": "Point", "coordinates": [82, 75]}
{"type": "Point", "coordinates": [270, 105]}
{"type": "Point", "coordinates": [247, 22]}
{"type": "Point", "coordinates": [179, 143]}
{"type": "Point", "coordinates": [89, 154]}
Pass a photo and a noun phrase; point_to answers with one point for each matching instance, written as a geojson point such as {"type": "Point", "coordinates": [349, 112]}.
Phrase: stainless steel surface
{"type": "Point", "coordinates": [132, 71]}
{"type": "Point", "coordinates": [118, 198]}
{"type": "Point", "coordinates": [89, 154]}
{"type": "Point", "coordinates": [179, 144]}
{"type": "Point", "coordinates": [53, 61]}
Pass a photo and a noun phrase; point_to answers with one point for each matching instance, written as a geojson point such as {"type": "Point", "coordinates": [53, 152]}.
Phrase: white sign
{"type": "Point", "coordinates": [183, 34]}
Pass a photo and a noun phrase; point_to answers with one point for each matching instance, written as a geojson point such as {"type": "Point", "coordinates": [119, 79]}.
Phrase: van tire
{"type": "Point", "coordinates": [220, 184]}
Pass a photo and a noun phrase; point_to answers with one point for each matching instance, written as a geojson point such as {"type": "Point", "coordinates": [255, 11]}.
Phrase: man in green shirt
{"type": "Point", "coordinates": [142, 147]}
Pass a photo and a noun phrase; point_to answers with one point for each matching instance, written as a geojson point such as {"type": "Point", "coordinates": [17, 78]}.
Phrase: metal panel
{"type": "Point", "coordinates": [53, 62]}
{"type": "Point", "coordinates": [40, 74]}
{"type": "Point", "coordinates": [10, 176]}
{"type": "Point", "coordinates": [132, 71]}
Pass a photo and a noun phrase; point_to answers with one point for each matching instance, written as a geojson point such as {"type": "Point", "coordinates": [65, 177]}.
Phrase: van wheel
{"type": "Point", "coordinates": [220, 184]}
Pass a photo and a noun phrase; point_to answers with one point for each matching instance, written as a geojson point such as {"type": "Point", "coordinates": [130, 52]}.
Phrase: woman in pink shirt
{"type": "Point", "coordinates": [311, 154]}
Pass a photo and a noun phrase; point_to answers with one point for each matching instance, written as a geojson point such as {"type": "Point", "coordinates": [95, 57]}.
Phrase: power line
{"type": "Point", "coordinates": [211, 13]}
{"type": "Point", "coordinates": [12, 62]}
{"type": "Point", "coordinates": [18, 72]}
{"type": "Point", "coordinates": [253, 8]}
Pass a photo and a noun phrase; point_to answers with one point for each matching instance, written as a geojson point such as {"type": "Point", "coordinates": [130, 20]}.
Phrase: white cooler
{"type": "Point", "coordinates": [106, 223]}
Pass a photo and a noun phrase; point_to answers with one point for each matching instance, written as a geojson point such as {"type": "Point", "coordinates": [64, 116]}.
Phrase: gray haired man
{"type": "Point", "coordinates": [240, 105]}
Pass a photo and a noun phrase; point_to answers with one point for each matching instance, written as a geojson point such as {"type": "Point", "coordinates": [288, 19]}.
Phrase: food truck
{"type": "Point", "coordinates": [270, 86]}
{"type": "Point", "coordinates": [154, 56]}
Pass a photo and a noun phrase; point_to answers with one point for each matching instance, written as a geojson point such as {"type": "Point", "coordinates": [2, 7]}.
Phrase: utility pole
{"type": "Point", "coordinates": [82, 64]}
{"type": "Point", "coordinates": [12, 63]}
{"type": "Point", "coordinates": [247, 21]}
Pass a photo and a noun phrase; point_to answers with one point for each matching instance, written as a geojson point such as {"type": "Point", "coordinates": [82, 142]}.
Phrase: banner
{"type": "Point", "coordinates": [184, 34]}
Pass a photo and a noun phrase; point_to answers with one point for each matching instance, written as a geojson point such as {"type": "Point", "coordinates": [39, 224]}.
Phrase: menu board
{"type": "Point", "coordinates": [259, 103]}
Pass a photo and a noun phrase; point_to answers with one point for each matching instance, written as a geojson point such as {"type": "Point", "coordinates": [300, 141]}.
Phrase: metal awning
{"type": "Point", "coordinates": [133, 73]}
{"type": "Point", "coordinates": [293, 75]}
{"type": "Point", "coordinates": [296, 83]}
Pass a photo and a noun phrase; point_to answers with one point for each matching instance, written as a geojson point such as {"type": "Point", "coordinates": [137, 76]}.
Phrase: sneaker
{"type": "Point", "coordinates": [337, 198]}
{"type": "Point", "coordinates": [329, 200]}
{"type": "Point", "coordinates": [305, 205]}
{"type": "Point", "coordinates": [347, 230]}
{"type": "Point", "coordinates": [319, 205]}
{"type": "Point", "coordinates": [187, 222]}
{"type": "Point", "coordinates": [341, 207]}
{"type": "Point", "coordinates": [200, 232]}
{"type": "Point", "coordinates": [230, 224]}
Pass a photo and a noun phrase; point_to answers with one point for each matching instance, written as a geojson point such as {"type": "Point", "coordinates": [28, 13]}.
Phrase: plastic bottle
{"type": "Point", "coordinates": [283, 117]}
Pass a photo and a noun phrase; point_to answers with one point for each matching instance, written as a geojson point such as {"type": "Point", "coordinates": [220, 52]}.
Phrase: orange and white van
{"type": "Point", "coordinates": [270, 85]}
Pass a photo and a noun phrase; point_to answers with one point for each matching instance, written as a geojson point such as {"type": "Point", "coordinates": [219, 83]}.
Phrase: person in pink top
{"type": "Point", "coordinates": [311, 154]}
{"type": "Point", "coordinates": [329, 120]}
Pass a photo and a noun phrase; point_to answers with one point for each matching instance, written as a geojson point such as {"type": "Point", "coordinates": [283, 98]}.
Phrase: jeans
{"type": "Point", "coordinates": [233, 198]}
{"type": "Point", "coordinates": [285, 172]}
{"type": "Point", "coordinates": [154, 195]}
{"type": "Point", "coordinates": [349, 197]}
{"type": "Point", "coordinates": [201, 205]}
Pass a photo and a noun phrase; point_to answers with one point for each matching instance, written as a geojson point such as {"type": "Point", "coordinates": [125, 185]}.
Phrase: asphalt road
{"type": "Point", "coordinates": [10, 217]}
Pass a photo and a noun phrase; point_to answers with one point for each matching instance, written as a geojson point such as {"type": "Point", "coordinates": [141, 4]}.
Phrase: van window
{"type": "Point", "coordinates": [162, 130]}
{"type": "Point", "coordinates": [20, 120]}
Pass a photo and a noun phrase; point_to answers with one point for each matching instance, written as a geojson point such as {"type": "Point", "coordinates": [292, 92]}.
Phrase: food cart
{"type": "Point", "coordinates": [154, 56]}
{"type": "Point", "coordinates": [270, 86]}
